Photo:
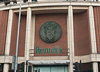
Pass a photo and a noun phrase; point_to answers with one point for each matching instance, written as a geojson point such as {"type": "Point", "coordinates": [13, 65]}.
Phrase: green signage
{"type": "Point", "coordinates": [48, 50]}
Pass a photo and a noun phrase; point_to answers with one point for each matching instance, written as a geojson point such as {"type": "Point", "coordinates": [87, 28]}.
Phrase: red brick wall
{"type": "Point", "coordinates": [61, 19]}
{"type": "Point", "coordinates": [21, 48]}
{"type": "Point", "coordinates": [81, 34]}
{"type": "Point", "coordinates": [97, 26]}
{"type": "Point", "coordinates": [3, 30]}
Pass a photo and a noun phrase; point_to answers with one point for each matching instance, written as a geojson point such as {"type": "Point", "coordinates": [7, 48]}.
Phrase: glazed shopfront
{"type": "Point", "coordinates": [50, 69]}
{"type": "Point", "coordinates": [49, 66]}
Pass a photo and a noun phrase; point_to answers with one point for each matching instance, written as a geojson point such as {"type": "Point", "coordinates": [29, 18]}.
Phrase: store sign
{"type": "Point", "coordinates": [48, 50]}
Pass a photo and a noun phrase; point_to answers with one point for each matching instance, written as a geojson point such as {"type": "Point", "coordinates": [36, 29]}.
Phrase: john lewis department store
{"type": "Point", "coordinates": [54, 34]}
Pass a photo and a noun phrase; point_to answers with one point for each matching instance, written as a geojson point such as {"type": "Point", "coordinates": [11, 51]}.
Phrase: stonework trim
{"type": "Point", "coordinates": [8, 59]}
{"type": "Point", "coordinates": [51, 4]}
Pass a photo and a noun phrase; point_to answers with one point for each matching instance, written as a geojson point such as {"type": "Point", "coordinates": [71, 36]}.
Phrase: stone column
{"type": "Point", "coordinates": [95, 67]}
{"type": "Point", "coordinates": [70, 37]}
{"type": "Point", "coordinates": [28, 35]}
{"type": "Point", "coordinates": [33, 34]}
{"type": "Point", "coordinates": [29, 0]}
{"type": "Point", "coordinates": [6, 68]}
{"type": "Point", "coordinates": [93, 37]}
{"type": "Point", "coordinates": [32, 69]}
{"type": "Point", "coordinates": [8, 39]}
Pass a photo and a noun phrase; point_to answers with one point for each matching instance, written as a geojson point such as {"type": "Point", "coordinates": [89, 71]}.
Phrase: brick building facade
{"type": "Point", "coordinates": [80, 38]}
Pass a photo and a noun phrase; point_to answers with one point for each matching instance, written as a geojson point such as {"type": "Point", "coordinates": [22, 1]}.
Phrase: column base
{"type": "Point", "coordinates": [6, 68]}
{"type": "Point", "coordinates": [95, 67]}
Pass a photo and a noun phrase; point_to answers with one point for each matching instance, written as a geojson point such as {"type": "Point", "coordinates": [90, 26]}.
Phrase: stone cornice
{"type": "Point", "coordinates": [53, 4]}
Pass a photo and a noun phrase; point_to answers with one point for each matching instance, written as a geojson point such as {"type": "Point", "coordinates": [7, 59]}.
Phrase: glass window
{"type": "Point", "coordinates": [51, 69]}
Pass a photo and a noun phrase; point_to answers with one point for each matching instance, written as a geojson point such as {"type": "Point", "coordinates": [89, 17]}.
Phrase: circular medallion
{"type": "Point", "coordinates": [50, 32]}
